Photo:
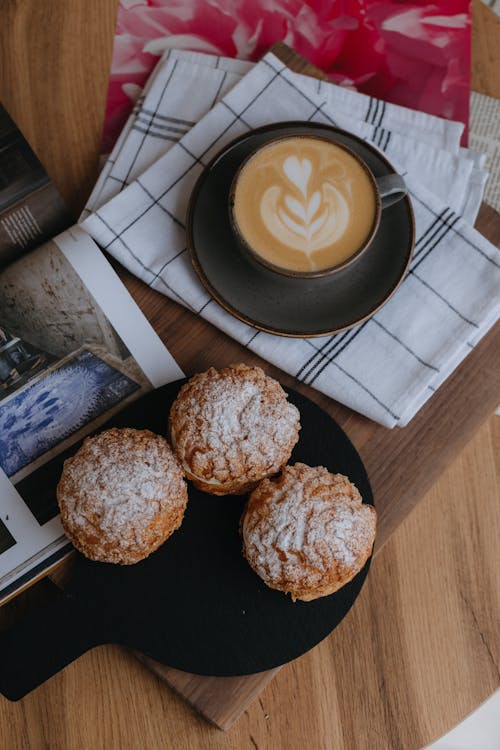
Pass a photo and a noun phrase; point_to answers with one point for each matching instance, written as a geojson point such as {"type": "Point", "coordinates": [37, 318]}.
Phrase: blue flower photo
{"type": "Point", "coordinates": [37, 418]}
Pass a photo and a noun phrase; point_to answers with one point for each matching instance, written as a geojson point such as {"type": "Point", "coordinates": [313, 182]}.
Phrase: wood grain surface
{"type": "Point", "coordinates": [393, 675]}
{"type": "Point", "coordinates": [485, 67]}
{"type": "Point", "coordinates": [418, 652]}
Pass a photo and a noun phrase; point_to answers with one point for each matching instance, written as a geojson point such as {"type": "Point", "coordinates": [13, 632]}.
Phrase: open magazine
{"type": "Point", "coordinates": [74, 350]}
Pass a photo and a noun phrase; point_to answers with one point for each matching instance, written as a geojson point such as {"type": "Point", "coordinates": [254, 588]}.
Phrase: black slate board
{"type": "Point", "coordinates": [195, 604]}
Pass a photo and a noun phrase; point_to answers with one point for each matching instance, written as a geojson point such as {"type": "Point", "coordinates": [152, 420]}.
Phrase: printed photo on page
{"type": "Point", "coordinates": [74, 350]}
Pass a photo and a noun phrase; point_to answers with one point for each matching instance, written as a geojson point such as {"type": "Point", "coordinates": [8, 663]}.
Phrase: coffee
{"type": "Point", "coordinates": [304, 204]}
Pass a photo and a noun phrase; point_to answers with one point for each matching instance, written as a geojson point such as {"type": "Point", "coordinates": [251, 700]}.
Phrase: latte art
{"type": "Point", "coordinates": [304, 204]}
{"type": "Point", "coordinates": [311, 221]}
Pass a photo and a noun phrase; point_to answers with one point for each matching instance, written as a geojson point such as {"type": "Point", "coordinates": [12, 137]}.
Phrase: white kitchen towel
{"type": "Point", "coordinates": [163, 113]}
{"type": "Point", "coordinates": [387, 367]}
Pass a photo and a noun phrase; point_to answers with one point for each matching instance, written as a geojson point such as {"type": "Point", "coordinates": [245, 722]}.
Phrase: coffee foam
{"type": "Point", "coordinates": [304, 204]}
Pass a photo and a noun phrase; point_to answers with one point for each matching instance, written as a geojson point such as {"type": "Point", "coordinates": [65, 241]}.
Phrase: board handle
{"type": "Point", "coordinates": [44, 643]}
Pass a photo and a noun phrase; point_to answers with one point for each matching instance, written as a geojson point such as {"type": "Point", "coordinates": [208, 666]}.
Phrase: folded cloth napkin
{"type": "Point", "coordinates": [155, 125]}
{"type": "Point", "coordinates": [163, 114]}
{"type": "Point", "coordinates": [386, 367]}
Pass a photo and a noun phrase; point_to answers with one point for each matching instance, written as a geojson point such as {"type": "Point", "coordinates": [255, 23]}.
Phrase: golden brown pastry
{"type": "Point", "coordinates": [121, 495]}
{"type": "Point", "coordinates": [230, 428]}
{"type": "Point", "coordinates": [307, 532]}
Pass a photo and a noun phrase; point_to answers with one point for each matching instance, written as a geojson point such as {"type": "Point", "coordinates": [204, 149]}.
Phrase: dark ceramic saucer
{"type": "Point", "coordinates": [284, 305]}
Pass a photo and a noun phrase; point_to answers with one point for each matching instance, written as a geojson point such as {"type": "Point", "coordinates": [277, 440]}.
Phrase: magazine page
{"type": "Point", "coordinates": [484, 137]}
{"type": "Point", "coordinates": [31, 208]}
{"type": "Point", "coordinates": [74, 350]}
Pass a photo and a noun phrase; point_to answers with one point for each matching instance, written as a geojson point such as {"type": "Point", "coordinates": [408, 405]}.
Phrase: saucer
{"type": "Point", "coordinates": [284, 305]}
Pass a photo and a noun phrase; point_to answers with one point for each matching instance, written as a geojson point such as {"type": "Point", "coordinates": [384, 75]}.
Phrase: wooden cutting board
{"type": "Point", "coordinates": [402, 463]}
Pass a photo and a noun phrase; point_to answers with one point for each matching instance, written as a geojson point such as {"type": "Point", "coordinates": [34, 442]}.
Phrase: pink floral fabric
{"type": "Point", "coordinates": [412, 53]}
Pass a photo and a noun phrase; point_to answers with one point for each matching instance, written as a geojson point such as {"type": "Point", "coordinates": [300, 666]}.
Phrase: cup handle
{"type": "Point", "coordinates": [392, 188]}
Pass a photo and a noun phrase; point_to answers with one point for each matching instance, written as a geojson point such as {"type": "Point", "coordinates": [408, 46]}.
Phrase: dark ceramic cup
{"type": "Point", "coordinates": [387, 190]}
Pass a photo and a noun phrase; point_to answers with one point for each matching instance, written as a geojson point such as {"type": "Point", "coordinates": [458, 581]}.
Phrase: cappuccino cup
{"type": "Point", "coordinates": [308, 206]}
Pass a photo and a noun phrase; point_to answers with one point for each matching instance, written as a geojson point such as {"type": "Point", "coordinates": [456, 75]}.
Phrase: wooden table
{"type": "Point", "coordinates": [420, 649]}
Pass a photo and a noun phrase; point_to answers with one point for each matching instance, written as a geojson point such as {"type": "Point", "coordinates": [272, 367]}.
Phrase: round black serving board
{"type": "Point", "coordinates": [195, 604]}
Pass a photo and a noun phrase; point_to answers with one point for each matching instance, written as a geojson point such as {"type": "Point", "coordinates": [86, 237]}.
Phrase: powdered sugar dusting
{"type": "Point", "coordinates": [231, 423]}
{"type": "Point", "coordinates": [121, 489]}
{"type": "Point", "coordinates": [306, 526]}
{"type": "Point", "coordinates": [233, 409]}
